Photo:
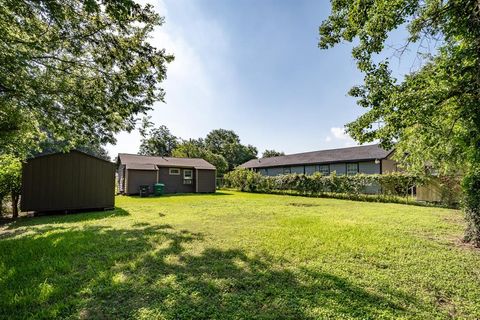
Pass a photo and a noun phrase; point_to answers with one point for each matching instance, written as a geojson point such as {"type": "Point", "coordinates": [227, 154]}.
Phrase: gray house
{"type": "Point", "coordinates": [180, 175]}
{"type": "Point", "coordinates": [371, 159]}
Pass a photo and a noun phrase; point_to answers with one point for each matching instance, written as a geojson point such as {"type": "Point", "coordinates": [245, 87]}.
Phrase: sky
{"type": "Point", "coordinates": [254, 67]}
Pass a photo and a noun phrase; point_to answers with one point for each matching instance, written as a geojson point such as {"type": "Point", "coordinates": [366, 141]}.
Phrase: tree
{"type": "Point", "coordinates": [157, 141]}
{"type": "Point", "coordinates": [432, 115]}
{"type": "Point", "coordinates": [50, 145]}
{"type": "Point", "coordinates": [227, 143]}
{"type": "Point", "coordinates": [196, 149]}
{"type": "Point", "coordinates": [272, 153]}
{"type": "Point", "coordinates": [10, 180]}
{"type": "Point", "coordinates": [217, 140]}
{"type": "Point", "coordinates": [81, 70]}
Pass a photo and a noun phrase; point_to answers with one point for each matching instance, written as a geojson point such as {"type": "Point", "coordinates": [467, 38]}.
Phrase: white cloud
{"type": "Point", "coordinates": [339, 138]}
{"type": "Point", "coordinates": [339, 133]}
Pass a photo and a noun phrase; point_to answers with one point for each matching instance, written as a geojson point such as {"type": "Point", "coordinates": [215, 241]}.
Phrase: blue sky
{"type": "Point", "coordinates": [254, 67]}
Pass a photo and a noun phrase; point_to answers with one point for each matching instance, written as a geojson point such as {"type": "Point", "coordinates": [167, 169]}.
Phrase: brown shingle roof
{"type": "Point", "coordinates": [360, 153]}
{"type": "Point", "coordinates": [135, 160]}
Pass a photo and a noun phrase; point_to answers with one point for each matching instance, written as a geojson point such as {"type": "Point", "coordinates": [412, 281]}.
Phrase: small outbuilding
{"type": "Point", "coordinates": [67, 182]}
{"type": "Point", "coordinates": [179, 175]}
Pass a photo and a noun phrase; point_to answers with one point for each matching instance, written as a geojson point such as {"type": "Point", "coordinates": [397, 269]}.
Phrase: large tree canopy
{"type": "Point", "coordinates": [272, 153]}
{"type": "Point", "coordinates": [227, 143]}
{"type": "Point", "coordinates": [195, 148]}
{"type": "Point", "coordinates": [433, 114]}
{"type": "Point", "coordinates": [81, 70]}
{"type": "Point", "coordinates": [156, 141]}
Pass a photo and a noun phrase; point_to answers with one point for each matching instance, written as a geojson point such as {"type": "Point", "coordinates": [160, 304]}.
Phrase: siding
{"type": "Point", "coordinates": [388, 166]}
{"type": "Point", "coordinates": [174, 183]}
{"type": "Point", "coordinates": [206, 181]}
{"type": "Point", "coordinates": [136, 178]}
{"type": "Point", "coordinates": [70, 181]}
{"type": "Point", "coordinates": [369, 167]}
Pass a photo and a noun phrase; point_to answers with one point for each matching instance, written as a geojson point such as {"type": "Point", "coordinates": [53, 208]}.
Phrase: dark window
{"type": "Point", "coordinates": [352, 169]}
{"type": "Point", "coordinates": [324, 169]}
{"type": "Point", "coordinates": [187, 176]}
{"type": "Point", "coordinates": [174, 171]}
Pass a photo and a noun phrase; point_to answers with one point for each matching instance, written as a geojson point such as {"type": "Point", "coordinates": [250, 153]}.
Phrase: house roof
{"type": "Point", "coordinates": [360, 153]}
{"type": "Point", "coordinates": [141, 166]}
{"type": "Point", "coordinates": [135, 161]}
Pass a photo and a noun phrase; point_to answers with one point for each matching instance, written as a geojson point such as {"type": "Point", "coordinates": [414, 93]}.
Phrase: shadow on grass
{"type": "Point", "coordinates": [66, 218]}
{"type": "Point", "coordinates": [152, 272]}
{"type": "Point", "coordinates": [170, 195]}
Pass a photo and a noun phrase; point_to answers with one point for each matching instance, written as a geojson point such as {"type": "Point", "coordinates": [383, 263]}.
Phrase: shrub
{"type": "Point", "coordinates": [388, 185]}
{"type": "Point", "coordinates": [450, 190]}
{"type": "Point", "coordinates": [10, 180]}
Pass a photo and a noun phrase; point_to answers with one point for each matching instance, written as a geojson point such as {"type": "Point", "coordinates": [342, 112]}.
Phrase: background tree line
{"type": "Point", "coordinates": [220, 147]}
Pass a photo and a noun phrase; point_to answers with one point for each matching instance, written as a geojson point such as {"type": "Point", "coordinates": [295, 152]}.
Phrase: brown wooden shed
{"type": "Point", "coordinates": [67, 182]}
{"type": "Point", "coordinates": [179, 175]}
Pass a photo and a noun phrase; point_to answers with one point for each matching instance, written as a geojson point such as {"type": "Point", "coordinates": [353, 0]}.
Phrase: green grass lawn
{"type": "Point", "coordinates": [242, 256]}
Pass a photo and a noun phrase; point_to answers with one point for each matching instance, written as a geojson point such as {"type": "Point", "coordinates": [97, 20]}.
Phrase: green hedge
{"type": "Point", "coordinates": [391, 185]}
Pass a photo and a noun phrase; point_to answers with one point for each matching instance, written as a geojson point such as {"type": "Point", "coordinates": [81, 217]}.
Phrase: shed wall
{"type": "Point", "coordinates": [69, 181]}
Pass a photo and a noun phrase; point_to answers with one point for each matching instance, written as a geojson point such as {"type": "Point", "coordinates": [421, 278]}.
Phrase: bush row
{"type": "Point", "coordinates": [392, 184]}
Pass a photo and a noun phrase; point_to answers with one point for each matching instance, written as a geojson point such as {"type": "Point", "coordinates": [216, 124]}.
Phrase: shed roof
{"type": "Point", "coordinates": [134, 160]}
{"type": "Point", "coordinates": [360, 153]}
{"type": "Point", "coordinates": [48, 154]}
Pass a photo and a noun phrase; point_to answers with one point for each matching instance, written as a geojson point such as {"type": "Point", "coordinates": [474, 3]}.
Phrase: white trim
{"type": "Point", "coordinates": [196, 180]}
{"type": "Point", "coordinates": [187, 180]}
{"type": "Point", "coordinates": [188, 170]}
{"type": "Point", "coordinates": [170, 171]}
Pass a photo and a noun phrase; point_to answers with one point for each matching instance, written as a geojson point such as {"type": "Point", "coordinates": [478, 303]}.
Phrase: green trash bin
{"type": "Point", "coordinates": [158, 189]}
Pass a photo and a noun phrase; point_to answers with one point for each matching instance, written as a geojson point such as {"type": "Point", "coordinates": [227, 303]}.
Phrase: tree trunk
{"type": "Point", "coordinates": [15, 198]}
{"type": "Point", "coordinates": [471, 188]}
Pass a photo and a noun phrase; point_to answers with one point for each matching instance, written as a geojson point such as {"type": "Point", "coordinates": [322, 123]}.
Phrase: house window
{"type": "Point", "coordinates": [286, 170]}
{"type": "Point", "coordinates": [324, 169]}
{"type": "Point", "coordinates": [352, 169]}
{"type": "Point", "coordinates": [187, 176]}
{"type": "Point", "coordinates": [174, 171]}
